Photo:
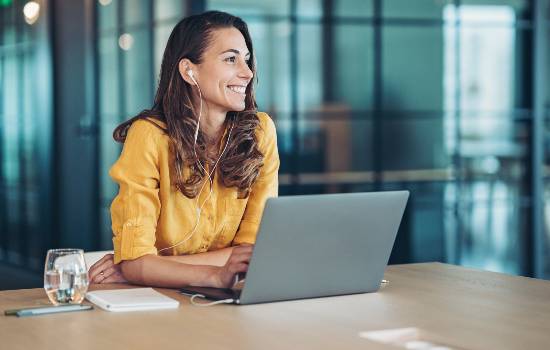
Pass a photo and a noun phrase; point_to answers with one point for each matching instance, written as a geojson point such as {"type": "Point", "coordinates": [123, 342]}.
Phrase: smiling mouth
{"type": "Point", "coordinates": [238, 89]}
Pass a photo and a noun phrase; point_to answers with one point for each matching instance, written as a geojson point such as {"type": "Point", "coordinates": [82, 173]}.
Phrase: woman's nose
{"type": "Point", "coordinates": [245, 71]}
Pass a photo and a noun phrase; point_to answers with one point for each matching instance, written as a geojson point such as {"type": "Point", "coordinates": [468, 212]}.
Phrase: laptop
{"type": "Point", "coordinates": [318, 246]}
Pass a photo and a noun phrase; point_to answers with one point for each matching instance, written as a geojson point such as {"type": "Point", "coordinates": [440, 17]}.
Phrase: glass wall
{"type": "Point", "coordinates": [431, 96]}
{"type": "Point", "coordinates": [25, 136]}
{"type": "Point", "coordinates": [437, 97]}
{"type": "Point", "coordinates": [542, 92]}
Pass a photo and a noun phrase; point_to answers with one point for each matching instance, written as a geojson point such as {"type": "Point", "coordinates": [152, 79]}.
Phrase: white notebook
{"type": "Point", "coordinates": [138, 299]}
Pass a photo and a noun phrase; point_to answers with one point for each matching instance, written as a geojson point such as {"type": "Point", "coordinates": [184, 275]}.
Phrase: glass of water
{"type": "Point", "coordinates": [65, 276]}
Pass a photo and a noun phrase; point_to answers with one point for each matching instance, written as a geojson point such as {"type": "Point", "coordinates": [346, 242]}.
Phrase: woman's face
{"type": "Point", "coordinates": [223, 74]}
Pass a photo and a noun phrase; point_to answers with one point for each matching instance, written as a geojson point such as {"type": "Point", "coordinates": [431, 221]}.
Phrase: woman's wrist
{"type": "Point", "coordinates": [211, 276]}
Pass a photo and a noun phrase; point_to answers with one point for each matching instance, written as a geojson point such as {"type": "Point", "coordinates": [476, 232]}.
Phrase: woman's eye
{"type": "Point", "coordinates": [231, 59]}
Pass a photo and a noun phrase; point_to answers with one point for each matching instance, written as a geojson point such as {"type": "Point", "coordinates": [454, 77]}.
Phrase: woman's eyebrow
{"type": "Point", "coordinates": [234, 51]}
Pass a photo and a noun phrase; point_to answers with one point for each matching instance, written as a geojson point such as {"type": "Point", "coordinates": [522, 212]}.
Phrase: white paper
{"type": "Point", "coordinates": [138, 299]}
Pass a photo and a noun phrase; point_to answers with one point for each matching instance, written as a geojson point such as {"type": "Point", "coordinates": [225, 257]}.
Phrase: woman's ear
{"type": "Point", "coordinates": [186, 71]}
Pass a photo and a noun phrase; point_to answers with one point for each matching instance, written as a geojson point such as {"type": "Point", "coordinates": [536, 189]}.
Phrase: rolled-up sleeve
{"type": "Point", "coordinates": [136, 208]}
{"type": "Point", "coordinates": [266, 186]}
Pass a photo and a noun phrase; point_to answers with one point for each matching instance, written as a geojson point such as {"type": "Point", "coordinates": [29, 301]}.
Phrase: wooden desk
{"type": "Point", "coordinates": [466, 308]}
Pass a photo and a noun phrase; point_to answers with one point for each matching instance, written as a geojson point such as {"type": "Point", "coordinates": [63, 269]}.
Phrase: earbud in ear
{"type": "Point", "coordinates": [190, 74]}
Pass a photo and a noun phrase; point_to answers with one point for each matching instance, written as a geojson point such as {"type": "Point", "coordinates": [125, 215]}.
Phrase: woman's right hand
{"type": "Point", "coordinates": [237, 263]}
{"type": "Point", "coordinates": [106, 271]}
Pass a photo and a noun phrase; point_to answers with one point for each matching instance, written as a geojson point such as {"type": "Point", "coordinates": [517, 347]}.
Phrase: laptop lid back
{"type": "Point", "coordinates": [323, 245]}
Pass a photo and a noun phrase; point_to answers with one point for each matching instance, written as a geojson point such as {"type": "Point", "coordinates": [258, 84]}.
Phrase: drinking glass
{"type": "Point", "coordinates": [65, 276]}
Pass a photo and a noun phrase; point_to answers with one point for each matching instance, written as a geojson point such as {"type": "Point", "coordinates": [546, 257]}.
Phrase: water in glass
{"type": "Point", "coordinates": [65, 276]}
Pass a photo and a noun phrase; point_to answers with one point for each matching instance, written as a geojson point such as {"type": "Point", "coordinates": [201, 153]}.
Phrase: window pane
{"type": "Point", "coordinates": [547, 55]}
{"type": "Point", "coordinates": [137, 67]}
{"type": "Point", "coordinates": [418, 9]}
{"type": "Point", "coordinates": [9, 36]}
{"type": "Point", "coordinates": [520, 8]}
{"type": "Point", "coordinates": [11, 121]}
{"type": "Point", "coordinates": [107, 16]}
{"type": "Point", "coordinates": [412, 68]}
{"type": "Point", "coordinates": [333, 142]}
{"type": "Point", "coordinates": [25, 99]}
{"type": "Point", "coordinates": [309, 8]}
{"type": "Point", "coordinates": [493, 221]}
{"type": "Point", "coordinates": [353, 8]}
{"type": "Point", "coordinates": [271, 45]}
{"type": "Point", "coordinates": [250, 7]}
{"type": "Point", "coordinates": [413, 143]}
{"type": "Point", "coordinates": [169, 9]}
{"type": "Point", "coordinates": [136, 12]}
{"type": "Point", "coordinates": [108, 76]}
{"type": "Point", "coordinates": [493, 194]}
{"type": "Point", "coordinates": [310, 83]}
{"type": "Point", "coordinates": [161, 33]}
{"type": "Point", "coordinates": [494, 145]}
{"type": "Point", "coordinates": [486, 83]}
{"type": "Point", "coordinates": [284, 142]}
{"type": "Point", "coordinates": [8, 15]}
{"type": "Point", "coordinates": [353, 65]}
{"type": "Point", "coordinates": [10, 87]}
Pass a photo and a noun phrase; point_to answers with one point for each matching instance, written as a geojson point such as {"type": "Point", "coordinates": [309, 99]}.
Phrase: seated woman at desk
{"type": "Point", "coordinates": [197, 168]}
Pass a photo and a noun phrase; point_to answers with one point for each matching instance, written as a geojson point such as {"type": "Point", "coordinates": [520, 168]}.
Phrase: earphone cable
{"type": "Point", "coordinates": [209, 174]}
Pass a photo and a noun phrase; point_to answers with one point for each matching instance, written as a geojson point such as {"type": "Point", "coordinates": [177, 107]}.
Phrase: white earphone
{"type": "Point", "coordinates": [190, 74]}
{"type": "Point", "coordinates": [199, 207]}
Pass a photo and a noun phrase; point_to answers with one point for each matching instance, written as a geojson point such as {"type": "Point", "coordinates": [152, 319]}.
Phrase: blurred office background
{"type": "Point", "coordinates": [446, 98]}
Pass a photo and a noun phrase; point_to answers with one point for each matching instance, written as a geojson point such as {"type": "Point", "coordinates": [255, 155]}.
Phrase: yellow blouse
{"type": "Point", "coordinates": [149, 214]}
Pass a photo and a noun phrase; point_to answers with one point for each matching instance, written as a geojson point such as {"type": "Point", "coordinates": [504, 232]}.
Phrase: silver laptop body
{"type": "Point", "coordinates": [319, 245]}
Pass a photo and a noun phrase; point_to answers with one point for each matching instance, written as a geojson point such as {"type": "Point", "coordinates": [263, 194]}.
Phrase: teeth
{"type": "Point", "coordinates": [237, 88]}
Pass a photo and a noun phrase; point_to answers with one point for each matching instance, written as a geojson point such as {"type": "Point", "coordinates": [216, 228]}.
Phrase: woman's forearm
{"type": "Point", "coordinates": [215, 258]}
{"type": "Point", "coordinates": [159, 271]}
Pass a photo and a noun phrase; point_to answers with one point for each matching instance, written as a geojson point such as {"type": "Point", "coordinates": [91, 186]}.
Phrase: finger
{"type": "Point", "coordinates": [106, 257]}
{"type": "Point", "coordinates": [102, 267]}
{"type": "Point", "coordinates": [99, 265]}
{"type": "Point", "coordinates": [114, 278]}
{"type": "Point", "coordinates": [241, 256]}
{"type": "Point", "coordinates": [244, 250]}
{"type": "Point", "coordinates": [104, 275]}
{"type": "Point", "coordinates": [237, 258]}
{"type": "Point", "coordinates": [101, 275]}
{"type": "Point", "coordinates": [97, 278]}
{"type": "Point", "coordinates": [236, 268]}
{"type": "Point", "coordinates": [108, 272]}
{"type": "Point", "coordinates": [241, 260]}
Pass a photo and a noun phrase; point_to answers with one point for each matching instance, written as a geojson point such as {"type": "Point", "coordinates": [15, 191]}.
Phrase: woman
{"type": "Point", "coordinates": [197, 168]}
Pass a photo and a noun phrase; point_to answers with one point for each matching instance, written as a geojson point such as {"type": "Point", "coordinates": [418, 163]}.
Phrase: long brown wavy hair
{"type": "Point", "coordinates": [174, 105]}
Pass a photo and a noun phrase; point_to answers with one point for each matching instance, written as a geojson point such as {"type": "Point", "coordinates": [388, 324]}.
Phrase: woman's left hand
{"type": "Point", "coordinates": [106, 271]}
